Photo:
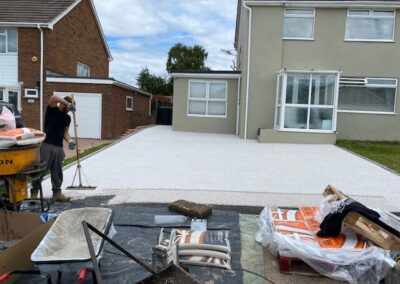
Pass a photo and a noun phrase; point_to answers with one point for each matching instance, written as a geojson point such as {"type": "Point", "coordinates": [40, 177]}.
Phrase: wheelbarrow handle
{"type": "Point", "coordinates": [82, 275]}
{"type": "Point", "coordinates": [4, 277]}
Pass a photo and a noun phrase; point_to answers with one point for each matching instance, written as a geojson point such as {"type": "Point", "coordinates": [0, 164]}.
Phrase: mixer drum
{"type": "Point", "coordinates": [16, 159]}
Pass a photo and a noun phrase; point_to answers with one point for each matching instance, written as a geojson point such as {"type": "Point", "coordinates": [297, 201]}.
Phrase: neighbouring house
{"type": "Point", "coordinates": [310, 72]}
{"type": "Point", "coordinates": [58, 47]}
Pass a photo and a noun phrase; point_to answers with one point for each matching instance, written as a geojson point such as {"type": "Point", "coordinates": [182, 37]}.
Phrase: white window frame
{"type": "Point", "coordinates": [7, 89]}
{"type": "Point", "coordinates": [31, 96]}
{"type": "Point", "coordinates": [6, 35]}
{"type": "Point", "coordinates": [370, 16]}
{"type": "Point", "coordinates": [282, 75]}
{"type": "Point", "coordinates": [299, 16]}
{"type": "Point", "coordinates": [127, 99]}
{"type": "Point", "coordinates": [207, 98]}
{"type": "Point", "coordinates": [379, 86]}
{"type": "Point", "coordinates": [84, 65]}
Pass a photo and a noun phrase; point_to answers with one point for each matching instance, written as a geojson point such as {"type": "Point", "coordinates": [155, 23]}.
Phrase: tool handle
{"type": "Point", "coordinates": [4, 277]}
{"type": "Point", "coordinates": [82, 275]}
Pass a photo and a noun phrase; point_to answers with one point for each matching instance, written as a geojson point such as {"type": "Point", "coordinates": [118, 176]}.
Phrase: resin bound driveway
{"type": "Point", "coordinates": [159, 165]}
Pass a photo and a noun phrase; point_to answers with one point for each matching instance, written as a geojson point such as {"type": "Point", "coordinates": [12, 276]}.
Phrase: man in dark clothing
{"type": "Point", "coordinates": [56, 126]}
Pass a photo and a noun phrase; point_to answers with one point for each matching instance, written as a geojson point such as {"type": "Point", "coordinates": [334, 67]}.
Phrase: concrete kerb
{"type": "Point", "coordinates": [369, 160]}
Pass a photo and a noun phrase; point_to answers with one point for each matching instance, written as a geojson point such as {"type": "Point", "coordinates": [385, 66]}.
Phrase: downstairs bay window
{"type": "Point", "coordinates": [367, 95]}
{"type": "Point", "coordinates": [306, 101]}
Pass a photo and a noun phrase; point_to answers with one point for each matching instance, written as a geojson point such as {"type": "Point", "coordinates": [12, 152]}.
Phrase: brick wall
{"type": "Point", "coordinates": [116, 120]}
{"type": "Point", "coordinates": [29, 72]}
{"type": "Point", "coordinates": [75, 38]}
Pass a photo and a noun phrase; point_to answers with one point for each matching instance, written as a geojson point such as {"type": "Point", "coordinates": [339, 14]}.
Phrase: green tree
{"type": "Point", "coordinates": [182, 57]}
{"type": "Point", "coordinates": [153, 84]}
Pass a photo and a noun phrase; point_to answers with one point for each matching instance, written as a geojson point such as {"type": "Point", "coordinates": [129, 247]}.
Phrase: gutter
{"type": "Point", "coordinates": [248, 70]}
{"type": "Point", "coordinates": [41, 76]}
{"type": "Point", "coordinates": [327, 4]}
{"type": "Point", "coordinates": [238, 108]}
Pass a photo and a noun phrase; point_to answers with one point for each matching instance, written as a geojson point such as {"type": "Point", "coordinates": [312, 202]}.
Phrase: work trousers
{"type": "Point", "coordinates": [54, 157]}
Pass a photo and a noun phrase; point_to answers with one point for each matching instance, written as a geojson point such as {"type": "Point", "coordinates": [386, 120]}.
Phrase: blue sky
{"type": "Point", "coordinates": [140, 32]}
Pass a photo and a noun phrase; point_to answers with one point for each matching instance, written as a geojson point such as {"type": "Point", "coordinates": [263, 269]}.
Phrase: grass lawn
{"type": "Point", "coordinates": [385, 153]}
{"type": "Point", "coordinates": [85, 153]}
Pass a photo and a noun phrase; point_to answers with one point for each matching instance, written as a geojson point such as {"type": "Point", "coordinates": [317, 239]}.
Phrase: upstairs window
{"type": "Point", "coordinates": [8, 40]}
{"type": "Point", "coordinates": [82, 70]}
{"type": "Point", "coordinates": [207, 98]}
{"type": "Point", "coordinates": [370, 25]}
{"type": "Point", "coordinates": [299, 24]}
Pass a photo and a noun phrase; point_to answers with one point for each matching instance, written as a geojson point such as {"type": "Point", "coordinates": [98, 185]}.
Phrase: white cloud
{"type": "Point", "coordinates": [140, 32]}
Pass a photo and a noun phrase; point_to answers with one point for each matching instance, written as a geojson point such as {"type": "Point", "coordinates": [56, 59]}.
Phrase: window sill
{"type": "Point", "coordinates": [367, 112]}
{"type": "Point", "coordinates": [206, 116]}
{"type": "Point", "coordinates": [297, 39]}
{"type": "Point", "coordinates": [369, 40]}
{"type": "Point", "coordinates": [306, 131]}
{"type": "Point", "coordinates": [129, 109]}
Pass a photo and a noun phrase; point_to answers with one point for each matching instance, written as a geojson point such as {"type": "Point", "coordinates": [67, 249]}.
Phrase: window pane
{"type": "Point", "coordinates": [1, 94]}
{"type": "Point", "coordinates": [216, 108]}
{"type": "Point", "coordinates": [382, 82]}
{"type": "Point", "coordinates": [217, 90]}
{"type": "Point", "coordinates": [298, 28]}
{"type": "Point", "coordinates": [373, 29]}
{"type": "Point", "coordinates": [2, 44]}
{"type": "Point", "coordinates": [297, 88]}
{"type": "Point", "coordinates": [322, 89]}
{"type": "Point", "coordinates": [278, 117]}
{"type": "Point", "coordinates": [196, 107]}
{"type": "Point", "coordinates": [197, 90]}
{"type": "Point", "coordinates": [13, 98]}
{"type": "Point", "coordinates": [12, 40]}
{"type": "Point", "coordinates": [384, 13]}
{"type": "Point", "coordinates": [358, 12]}
{"type": "Point", "coordinates": [366, 99]}
{"type": "Point", "coordinates": [296, 117]}
{"type": "Point", "coordinates": [82, 70]}
{"type": "Point", "coordinates": [321, 118]}
{"type": "Point", "coordinates": [298, 12]}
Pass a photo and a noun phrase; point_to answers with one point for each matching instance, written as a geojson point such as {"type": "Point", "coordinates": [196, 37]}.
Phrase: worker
{"type": "Point", "coordinates": [56, 126]}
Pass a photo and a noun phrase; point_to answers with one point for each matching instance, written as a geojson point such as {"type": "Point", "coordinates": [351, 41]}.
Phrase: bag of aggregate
{"type": "Point", "coordinates": [208, 240]}
{"type": "Point", "coordinates": [205, 261]}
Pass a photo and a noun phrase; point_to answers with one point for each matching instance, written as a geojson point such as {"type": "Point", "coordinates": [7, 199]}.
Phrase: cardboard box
{"type": "Point", "coordinates": [27, 228]}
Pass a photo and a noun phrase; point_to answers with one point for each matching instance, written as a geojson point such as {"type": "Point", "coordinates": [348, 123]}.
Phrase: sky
{"type": "Point", "coordinates": [140, 32]}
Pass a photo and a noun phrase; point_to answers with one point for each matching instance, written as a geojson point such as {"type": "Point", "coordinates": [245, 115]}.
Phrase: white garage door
{"type": "Point", "coordinates": [88, 115]}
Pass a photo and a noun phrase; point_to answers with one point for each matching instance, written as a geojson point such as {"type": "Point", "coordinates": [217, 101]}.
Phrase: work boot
{"type": "Point", "coordinates": [58, 196]}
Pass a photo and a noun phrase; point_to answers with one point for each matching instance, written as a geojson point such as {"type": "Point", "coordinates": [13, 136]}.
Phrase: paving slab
{"type": "Point", "coordinates": [160, 165]}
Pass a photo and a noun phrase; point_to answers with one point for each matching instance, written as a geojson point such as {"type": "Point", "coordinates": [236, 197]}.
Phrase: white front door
{"type": "Point", "coordinates": [88, 114]}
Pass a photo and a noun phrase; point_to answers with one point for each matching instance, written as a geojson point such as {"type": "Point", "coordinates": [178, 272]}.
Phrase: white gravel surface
{"type": "Point", "coordinates": [161, 165]}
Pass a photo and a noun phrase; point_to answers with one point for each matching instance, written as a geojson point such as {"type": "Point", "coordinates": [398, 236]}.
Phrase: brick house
{"type": "Point", "coordinates": [58, 47]}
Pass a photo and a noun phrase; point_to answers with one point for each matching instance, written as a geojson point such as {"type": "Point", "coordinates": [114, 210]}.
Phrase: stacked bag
{"type": "Point", "coordinates": [206, 248]}
{"type": "Point", "coordinates": [11, 136]}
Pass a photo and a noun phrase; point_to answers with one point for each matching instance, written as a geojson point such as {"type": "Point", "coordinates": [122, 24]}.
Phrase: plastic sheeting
{"type": "Point", "coordinates": [364, 265]}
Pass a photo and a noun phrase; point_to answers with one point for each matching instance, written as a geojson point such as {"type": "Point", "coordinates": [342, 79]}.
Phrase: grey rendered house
{"type": "Point", "coordinates": [310, 72]}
